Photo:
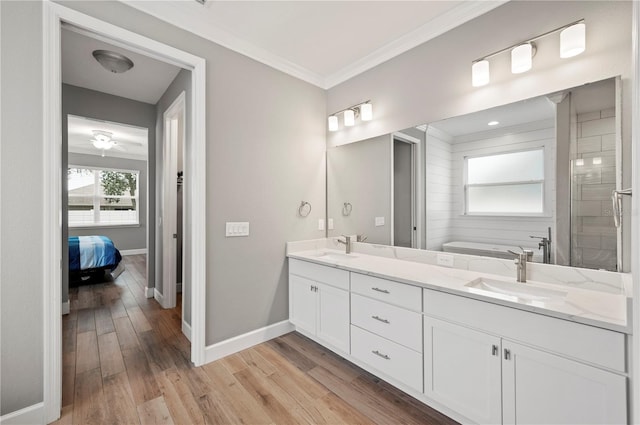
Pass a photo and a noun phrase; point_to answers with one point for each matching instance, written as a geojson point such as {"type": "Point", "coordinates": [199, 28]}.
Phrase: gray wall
{"type": "Point", "coordinates": [124, 237]}
{"type": "Point", "coordinates": [360, 173]}
{"type": "Point", "coordinates": [21, 185]}
{"type": "Point", "coordinates": [92, 104]}
{"type": "Point", "coordinates": [181, 83]}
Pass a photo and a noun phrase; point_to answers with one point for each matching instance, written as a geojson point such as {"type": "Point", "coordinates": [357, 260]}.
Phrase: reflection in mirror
{"type": "Point", "coordinates": [536, 174]}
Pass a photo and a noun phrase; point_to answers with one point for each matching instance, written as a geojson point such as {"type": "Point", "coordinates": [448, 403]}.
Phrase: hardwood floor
{"type": "Point", "coordinates": [126, 361]}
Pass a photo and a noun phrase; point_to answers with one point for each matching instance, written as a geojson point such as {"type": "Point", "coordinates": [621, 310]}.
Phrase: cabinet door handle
{"type": "Point", "coordinates": [379, 354]}
{"type": "Point", "coordinates": [507, 354]}
{"type": "Point", "coordinates": [384, 291]}
{"type": "Point", "coordinates": [494, 350]}
{"type": "Point", "coordinates": [380, 319]}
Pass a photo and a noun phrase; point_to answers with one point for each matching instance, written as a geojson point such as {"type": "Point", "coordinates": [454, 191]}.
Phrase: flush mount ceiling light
{"type": "Point", "coordinates": [572, 43]}
{"type": "Point", "coordinates": [363, 110]}
{"type": "Point", "coordinates": [112, 61]}
{"type": "Point", "coordinates": [492, 123]}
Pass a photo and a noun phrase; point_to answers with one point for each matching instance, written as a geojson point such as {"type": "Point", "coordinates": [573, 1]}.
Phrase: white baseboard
{"type": "Point", "coordinates": [186, 330]}
{"type": "Point", "coordinates": [242, 342]}
{"type": "Point", "coordinates": [158, 296]}
{"type": "Point", "coordinates": [66, 307]}
{"type": "Point", "coordinates": [149, 292]}
{"type": "Point", "coordinates": [29, 415]}
{"type": "Point", "coordinates": [124, 252]}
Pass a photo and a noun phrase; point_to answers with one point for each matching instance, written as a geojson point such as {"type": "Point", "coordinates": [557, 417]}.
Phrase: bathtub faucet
{"type": "Point", "coordinates": [545, 245]}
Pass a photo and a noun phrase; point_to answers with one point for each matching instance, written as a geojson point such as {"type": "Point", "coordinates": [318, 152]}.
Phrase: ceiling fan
{"type": "Point", "coordinates": [103, 140]}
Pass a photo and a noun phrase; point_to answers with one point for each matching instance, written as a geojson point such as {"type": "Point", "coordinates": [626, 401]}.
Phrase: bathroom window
{"type": "Point", "coordinates": [510, 183]}
{"type": "Point", "coordinates": [102, 197]}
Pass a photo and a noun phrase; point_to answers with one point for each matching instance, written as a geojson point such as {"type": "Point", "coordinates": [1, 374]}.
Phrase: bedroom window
{"type": "Point", "coordinates": [102, 197]}
{"type": "Point", "coordinates": [509, 183]}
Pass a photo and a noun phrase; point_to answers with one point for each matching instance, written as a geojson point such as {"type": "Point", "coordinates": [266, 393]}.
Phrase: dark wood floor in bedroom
{"type": "Point", "coordinates": [126, 361]}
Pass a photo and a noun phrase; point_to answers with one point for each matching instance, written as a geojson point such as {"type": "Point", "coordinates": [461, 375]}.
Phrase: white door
{"type": "Point", "coordinates": [542, 388]}
{"type": "Point", "coordinates": [303, 300]}
{"type": "Point", "coordinates": [333, 316]}
{"type": "Point", "coordinates": [462, 370]}
{"type": "Point", "coordinates": [174, 125]}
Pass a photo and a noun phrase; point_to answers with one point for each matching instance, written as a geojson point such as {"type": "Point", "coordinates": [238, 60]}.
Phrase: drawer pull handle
{"type": "Point", "coordinates": [494, 350]}
{"type": "Point", "coordinates": [507, 354]}
{"type": "Point", "coordinates": [380, 319]}
{"type": "Point", "coordinates": [384, 291]}
{"type": "Point", "coordinates": [379, 354]}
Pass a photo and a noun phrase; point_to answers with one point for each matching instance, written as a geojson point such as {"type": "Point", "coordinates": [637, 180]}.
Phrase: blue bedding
{"type": "Point", "coordinates": [92, 252]}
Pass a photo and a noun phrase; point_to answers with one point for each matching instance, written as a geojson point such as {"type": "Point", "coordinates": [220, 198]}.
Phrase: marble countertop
{"type": "Point", "coordinates": [590, 307]}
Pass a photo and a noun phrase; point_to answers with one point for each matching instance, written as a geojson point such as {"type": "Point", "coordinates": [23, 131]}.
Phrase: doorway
{"type": "Point", "coordinates": [56, 16]}
{"type": "Point", "coordinates": [405, 192]}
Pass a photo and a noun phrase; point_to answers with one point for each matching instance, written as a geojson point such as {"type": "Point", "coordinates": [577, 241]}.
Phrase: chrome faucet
{"type": "Point", "coordinates": [521, 263]}
{"type": "Point", "coordinates": [347, 243]}
{"type": "Point", "coordinates": [545, 244]}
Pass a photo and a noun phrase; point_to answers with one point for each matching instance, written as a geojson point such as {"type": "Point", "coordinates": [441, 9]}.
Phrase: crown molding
{"type": "Point", "coordinates": [437, 26]}
{"type": "Point", "coordinates": [189, 17]}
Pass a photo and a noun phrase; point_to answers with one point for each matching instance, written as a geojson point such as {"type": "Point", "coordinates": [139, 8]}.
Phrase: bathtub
{"type": "Point", "coordinates": [485, 250]}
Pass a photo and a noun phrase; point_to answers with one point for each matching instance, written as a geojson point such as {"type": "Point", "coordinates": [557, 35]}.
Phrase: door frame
{"type": "Point", "coordinates": [53, 17]}
{"type": "Point", "coordinates": [416, 187]}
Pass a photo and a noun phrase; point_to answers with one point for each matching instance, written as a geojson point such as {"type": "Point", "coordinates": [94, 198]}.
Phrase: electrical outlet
{"type": "Point", "coordinates": [330, 224]}
{"type": "Point", "coordinates": [379, 221]}
{"type": "Point", "coordinates": [445, 260]}
{"type": "Point", "coordinates": [321, 224]}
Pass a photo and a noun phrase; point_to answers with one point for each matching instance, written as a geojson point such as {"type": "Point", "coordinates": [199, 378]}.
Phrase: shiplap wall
{"type": "Point", "coordinates": [439, 188]}
{"type": "Point", "coordinates": [487, 229]}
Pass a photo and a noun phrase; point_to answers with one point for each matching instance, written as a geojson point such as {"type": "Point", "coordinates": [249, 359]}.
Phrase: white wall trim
{"type": "Point", "coordinates": [149, 292]}
{"type": "Point", "coordinates": [66, 307]}
{"type": "Point", "coordinates": [33, 414]}
{"type": "Point", "coordinates": [138, 251]}
{"type": "Point", "coordinates": [195, 205]}
{"type": "Point", "coordinates": [186, 329]}
{"type": "Point", "coordinates": [158, 296]}
{"type": "Point", "coordinates": [248, 340]}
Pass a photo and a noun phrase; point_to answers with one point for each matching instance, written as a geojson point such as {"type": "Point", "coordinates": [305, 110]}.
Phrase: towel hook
{"type": "Point", "coordinates": [303, 211]}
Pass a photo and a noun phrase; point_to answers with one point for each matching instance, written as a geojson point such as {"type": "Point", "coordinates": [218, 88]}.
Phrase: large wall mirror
{"type": "Point", "coordinates": [537, 174]}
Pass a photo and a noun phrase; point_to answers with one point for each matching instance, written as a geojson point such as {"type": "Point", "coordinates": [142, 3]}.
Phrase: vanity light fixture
{"type": "Point", "coordinates": [363, 110]}
{"type": "Point", "coordinates": [522, 57]}
{"type": "Point", "coordinates": [492, 123]}
{"type": "Point", "coordinates": [349, 118]}
{"type": "Point", "coordinates": [572, 43]}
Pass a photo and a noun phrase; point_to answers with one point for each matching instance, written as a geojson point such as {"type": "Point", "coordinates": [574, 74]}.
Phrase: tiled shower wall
{"type": "Point", "coordinates": [593, 230]}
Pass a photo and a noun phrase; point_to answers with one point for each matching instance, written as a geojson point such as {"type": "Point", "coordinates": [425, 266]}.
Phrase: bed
{"type": "Point", "coordinates": [92, 256]}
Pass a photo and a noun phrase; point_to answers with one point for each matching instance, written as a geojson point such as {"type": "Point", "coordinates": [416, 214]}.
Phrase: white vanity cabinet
{"type": "Point", "coordinates": [319, 302]}
{"type": "Point", "coordinates": [475, 367]}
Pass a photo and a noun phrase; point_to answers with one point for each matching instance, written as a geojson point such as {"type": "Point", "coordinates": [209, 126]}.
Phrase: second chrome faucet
{"type": "Point", "coordinates": [521, 263]}
{"type": "Point", "coordinates": [347, 243]}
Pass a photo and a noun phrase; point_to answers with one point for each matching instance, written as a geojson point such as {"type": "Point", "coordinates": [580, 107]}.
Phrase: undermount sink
{"type": "Point", "coordinates": [336, 256]}
{"type": "Point", "coordinates": [512, 289]}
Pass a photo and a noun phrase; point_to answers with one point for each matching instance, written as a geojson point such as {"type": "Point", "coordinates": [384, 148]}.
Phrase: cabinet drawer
{"type": "Point", "coordinates": [323, 274]}
{"type": "Point", "coordinates": [400, 294]}
{"type": "Point", "coordinates": [587, 343]}
{"type": "Point", "coordinates": [394, 323]}
{"type": "Point", "coordinates": [389, 358]}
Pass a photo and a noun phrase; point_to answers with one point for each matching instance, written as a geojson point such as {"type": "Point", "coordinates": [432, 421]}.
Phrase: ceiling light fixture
{"type": "Point", "coordinates": [112, 61]}
{"type": "Point", "coordinates": [102, 140]}
{"type": "Point", "coordinates": [572, 43]}
{"type": "Point", "coordinates": [363, 110]}
{"type": "Point", "coordinates": [492, 123]}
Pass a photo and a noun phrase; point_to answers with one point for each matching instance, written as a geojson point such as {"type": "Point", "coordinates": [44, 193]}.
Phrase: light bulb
{"type": "Point", "coordinates": [572, 40]}
{"type": "Point", "coordinates": [521, 58]}
{"type": "Point", "coordinates": [480, 73]}
{"type": "Point", "coordinates": [333, 123]}
{"type": "Point", "coordinates": [349, 118]}
{"type": "Point", "coordinates": [366, 112]}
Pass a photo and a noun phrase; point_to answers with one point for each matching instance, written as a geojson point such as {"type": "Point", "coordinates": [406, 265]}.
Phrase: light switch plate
{"type": "Point", "coordinates": [445, 260]}
{"type": "Point", "coordinates": [321, 224]}
{"type": "Point", "coordinates": [379, 221]}
{"type": "Point", "coordinates": [237, 228]}
{"type": "Point", "coordinates": [330, 224]}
